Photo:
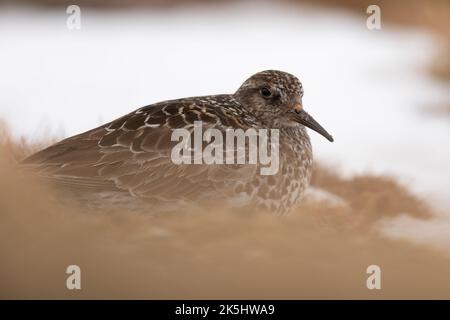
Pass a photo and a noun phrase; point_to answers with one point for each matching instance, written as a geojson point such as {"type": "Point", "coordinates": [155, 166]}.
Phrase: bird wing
{"type": "Point", "coordinates": [132, 153]}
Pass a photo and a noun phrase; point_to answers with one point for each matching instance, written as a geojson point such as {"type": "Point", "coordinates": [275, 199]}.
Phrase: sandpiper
{"type": "Point", "coordinates": [127, 162]}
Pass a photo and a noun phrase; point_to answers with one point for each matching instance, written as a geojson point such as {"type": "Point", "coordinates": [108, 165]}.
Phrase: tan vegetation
{"type": "Point", "coordinates": [320, 251]}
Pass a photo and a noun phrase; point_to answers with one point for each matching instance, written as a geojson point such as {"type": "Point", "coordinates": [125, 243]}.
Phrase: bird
{"type": "Point", "coordinates": [127, 163]}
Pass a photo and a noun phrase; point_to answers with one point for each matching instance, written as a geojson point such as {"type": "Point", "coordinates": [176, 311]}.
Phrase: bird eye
{"type": "Point", "coordinates": [266, 93]}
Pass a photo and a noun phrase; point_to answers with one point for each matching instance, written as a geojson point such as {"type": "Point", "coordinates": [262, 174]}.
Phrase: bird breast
{"type": "Point", "coordinates": [282, 191]}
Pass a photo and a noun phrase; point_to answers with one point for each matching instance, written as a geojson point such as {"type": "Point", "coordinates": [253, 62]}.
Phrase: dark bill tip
{"type": "Point", "coordinates": [305, 119]}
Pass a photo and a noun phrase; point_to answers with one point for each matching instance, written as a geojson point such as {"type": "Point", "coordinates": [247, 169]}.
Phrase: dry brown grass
{"type": "Point", "coordinates": [320, 251]}
{"type": "Point", "coordinates": [440, 66]}
{"type": "Point", "coordinates": [432, 15]}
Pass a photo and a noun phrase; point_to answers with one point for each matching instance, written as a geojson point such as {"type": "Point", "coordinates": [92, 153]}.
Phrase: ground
{"type": "Point", "coordinates": [322, 250]}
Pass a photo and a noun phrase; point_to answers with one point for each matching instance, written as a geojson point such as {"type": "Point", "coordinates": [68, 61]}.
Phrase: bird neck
{"type": "Point", "coordinates": [297, 132]}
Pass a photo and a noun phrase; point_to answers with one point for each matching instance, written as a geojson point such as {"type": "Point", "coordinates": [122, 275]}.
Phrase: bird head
{"type": "Point", "coordinates": [275, 98]}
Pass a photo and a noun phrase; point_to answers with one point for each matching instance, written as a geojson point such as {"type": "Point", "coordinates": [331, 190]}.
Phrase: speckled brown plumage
{"type": "Point", "coordinates": [127, 162]}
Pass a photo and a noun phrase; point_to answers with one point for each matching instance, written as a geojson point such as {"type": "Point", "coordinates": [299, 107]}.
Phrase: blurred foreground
{"type": "Point", "coordinates": [320, 251]}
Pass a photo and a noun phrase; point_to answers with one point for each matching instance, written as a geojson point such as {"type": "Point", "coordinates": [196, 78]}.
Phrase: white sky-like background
{"type": "Point", "coordinates": [367, 88]}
